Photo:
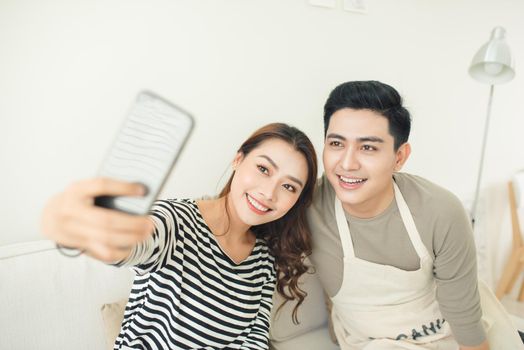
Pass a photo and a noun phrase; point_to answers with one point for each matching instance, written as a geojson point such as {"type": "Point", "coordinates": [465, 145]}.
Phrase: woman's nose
{"type": "Point", "coordinates": [269, 190]}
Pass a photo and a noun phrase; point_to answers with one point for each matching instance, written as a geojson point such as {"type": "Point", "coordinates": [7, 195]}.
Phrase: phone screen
{"type": "Point", "coordinates": [145, 149]}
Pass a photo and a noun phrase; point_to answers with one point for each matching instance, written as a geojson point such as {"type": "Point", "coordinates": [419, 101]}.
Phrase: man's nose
{"type": "Point", "coordinates": [350, 160]}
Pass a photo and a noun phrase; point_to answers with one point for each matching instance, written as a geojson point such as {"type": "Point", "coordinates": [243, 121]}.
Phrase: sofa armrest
{"type": "Point", "coordinates": [50, 301]}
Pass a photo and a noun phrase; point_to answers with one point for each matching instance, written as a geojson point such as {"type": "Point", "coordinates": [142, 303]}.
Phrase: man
{"type": "Point", "coordinates": [394, 252]}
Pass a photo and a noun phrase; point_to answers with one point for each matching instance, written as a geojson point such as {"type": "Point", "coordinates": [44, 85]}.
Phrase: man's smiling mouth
{"type": "Point", "coordinates": [351, 180]}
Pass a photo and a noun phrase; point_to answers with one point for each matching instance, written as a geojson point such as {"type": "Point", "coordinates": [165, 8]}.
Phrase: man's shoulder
{"type": "Point", "coordinates": [323, 196]}
{"type": "Point", "coordinates": [321, 212]}
{"type": "Point", "coordinates": [425, 196]}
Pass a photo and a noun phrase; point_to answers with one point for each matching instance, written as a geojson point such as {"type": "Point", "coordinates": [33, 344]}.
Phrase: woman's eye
{"type": "Point", "coordinates": [290, 188]}
{"type": "Point", "coordinates": [263, 169]}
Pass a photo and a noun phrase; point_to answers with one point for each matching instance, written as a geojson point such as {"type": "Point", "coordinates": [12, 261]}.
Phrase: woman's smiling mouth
{"type": "Point", "coordinates": [256, 206]}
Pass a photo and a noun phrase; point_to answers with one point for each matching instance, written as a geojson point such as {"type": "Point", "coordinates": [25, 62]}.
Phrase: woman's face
{"type": "Point", "coordinates": [267, 182]}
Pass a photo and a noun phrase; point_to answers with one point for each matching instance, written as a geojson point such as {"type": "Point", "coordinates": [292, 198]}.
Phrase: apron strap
{"type": "Point", "coordinates": [409, 223]}
{"type": "Point", "coordinates": [343, 230]}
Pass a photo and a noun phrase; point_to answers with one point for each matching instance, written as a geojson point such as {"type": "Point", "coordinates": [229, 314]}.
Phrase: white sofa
{"type": "Point", "coordinates": [48, 301]}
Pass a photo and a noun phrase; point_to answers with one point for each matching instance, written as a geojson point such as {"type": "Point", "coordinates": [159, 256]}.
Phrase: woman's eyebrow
{"type": "Point", "coordinates": [269, 160]}
{"type": "Point", "coordinates": [292, 178]}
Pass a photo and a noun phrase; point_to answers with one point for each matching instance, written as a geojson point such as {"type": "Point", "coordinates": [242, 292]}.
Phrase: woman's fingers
{"type": "Point", "coordinates": [103, 242]}
{"type": "Point", "coordinates": [109, 220]}
{"type": "Point", "coordinates": [107, 254]}
{"type": "Point", "coordinates": [71, 219]}
{"type": "Point", "coordinates": [114, 232]}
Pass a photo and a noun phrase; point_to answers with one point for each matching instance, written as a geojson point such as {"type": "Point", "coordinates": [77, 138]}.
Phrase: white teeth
{"type": "Point", "coordinates": [256, 204]}
{"type": "Point", "coordinates": [351, 181]}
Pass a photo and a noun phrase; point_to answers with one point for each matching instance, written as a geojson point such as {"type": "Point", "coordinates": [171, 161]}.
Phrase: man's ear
{"type": "Point", "coordinates": [237, 160]}
{"type": "Point", "coordinates": [402, 155]}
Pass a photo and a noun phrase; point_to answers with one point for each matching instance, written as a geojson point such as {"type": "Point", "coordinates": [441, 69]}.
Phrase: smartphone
{"type": "Point", "coordinates": [145, 150]}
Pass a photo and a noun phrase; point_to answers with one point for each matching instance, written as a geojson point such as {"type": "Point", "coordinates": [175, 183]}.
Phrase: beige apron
{"type": "Point", "coordinates": [384, 307]}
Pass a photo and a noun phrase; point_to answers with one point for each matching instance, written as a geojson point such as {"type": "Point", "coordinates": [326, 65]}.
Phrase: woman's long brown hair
{"type": "Point", "coordinates": [288, 238]}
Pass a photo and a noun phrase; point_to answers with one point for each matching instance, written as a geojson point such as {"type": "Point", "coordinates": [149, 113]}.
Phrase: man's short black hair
{"type": "Point", "coordinates": [374, 96]}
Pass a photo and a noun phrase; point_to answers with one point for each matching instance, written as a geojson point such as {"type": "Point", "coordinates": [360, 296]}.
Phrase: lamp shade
{"type": "Point", "coordinates": [492, 63]}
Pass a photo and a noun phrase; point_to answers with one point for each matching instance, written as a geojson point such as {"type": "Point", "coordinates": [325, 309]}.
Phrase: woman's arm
{"type": "Point", "coordinates": [154, 252]}
{"type": "Point", "coordinates": [258, 338]}
{"type": "Point", "coordinates": [72, 220]}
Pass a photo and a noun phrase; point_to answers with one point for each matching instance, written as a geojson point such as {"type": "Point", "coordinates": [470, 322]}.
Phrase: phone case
{"type": "Point", "coordinates": [145, 150]}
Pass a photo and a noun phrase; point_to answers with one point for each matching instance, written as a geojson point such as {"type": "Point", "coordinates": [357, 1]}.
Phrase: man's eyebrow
{"type": "Point", "coordinates": [370, 139]}
{"type": "Point", "coordinates": [292, 178]}
{"type": "Point", "coordinates": [359, 139]}
{"type": "Point", "coordinates": [335, 136]}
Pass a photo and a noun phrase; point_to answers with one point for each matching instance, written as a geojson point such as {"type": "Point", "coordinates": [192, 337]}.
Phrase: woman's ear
{"type": "Point", "coordinates": [403, 153]}
{"type": "Point", "coordinates": [237, 160]}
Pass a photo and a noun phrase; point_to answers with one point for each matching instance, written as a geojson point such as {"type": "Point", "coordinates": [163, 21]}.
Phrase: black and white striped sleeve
{"type": "Point", "coordinates": [258, 338]}
{"type": "Point", "coordinates": [153, 253]}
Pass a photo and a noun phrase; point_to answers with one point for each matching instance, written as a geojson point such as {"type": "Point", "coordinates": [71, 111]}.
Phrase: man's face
{"type": "Point", "coordinates": [359, 160]}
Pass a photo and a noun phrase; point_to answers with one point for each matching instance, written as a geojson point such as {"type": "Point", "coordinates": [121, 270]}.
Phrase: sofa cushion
{"type": "Point", "coordinates": [113, 315]}
{"type": "Point", "coordinates": [312, 313]}
{"type": "Point", "coordinates": [50, 301]}
{"type": "Point", "coordinates": [317, 339]}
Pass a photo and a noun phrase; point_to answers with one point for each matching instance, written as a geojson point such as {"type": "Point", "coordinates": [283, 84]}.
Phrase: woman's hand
{"type": "Point", "coordinates": [71, 219]}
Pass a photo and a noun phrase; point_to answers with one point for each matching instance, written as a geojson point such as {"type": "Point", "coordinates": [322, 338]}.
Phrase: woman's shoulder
{"type": "Point", "coordinates": [176, 208]}
{"type": "Point", "coordinates": [261, 247]}
{"type": "Point", "coordinates": [188, 202]}
{"type": "Point", "coordinates": [262, 255]}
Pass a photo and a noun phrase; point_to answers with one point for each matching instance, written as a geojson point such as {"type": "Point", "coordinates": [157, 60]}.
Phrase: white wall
{"type": "Point", "coordinates": [69, 70]}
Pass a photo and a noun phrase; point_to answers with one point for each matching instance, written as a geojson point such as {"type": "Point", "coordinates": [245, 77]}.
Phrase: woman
{"type": "Point", "coordinates": [206, 269]}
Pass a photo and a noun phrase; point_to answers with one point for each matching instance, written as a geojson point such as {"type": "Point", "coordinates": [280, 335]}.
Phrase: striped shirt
{"type": "Point", "coordinates": [188, 294]}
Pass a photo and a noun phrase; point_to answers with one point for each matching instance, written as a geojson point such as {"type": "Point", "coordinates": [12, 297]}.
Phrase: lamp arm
{"type": "Point", "coordinates": [481, 165]}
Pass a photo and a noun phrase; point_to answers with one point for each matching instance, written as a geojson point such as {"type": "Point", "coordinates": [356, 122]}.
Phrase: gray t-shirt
{"type": "Point", "coordinates": [444, 228]}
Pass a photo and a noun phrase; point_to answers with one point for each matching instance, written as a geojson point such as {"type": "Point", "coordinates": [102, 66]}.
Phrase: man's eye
{"type": "Point", "coordinates": [263, 169]}
{"type": "Point", "coordinates": [335, 143]}
{"type": "Point", "coordinates": [290, 188]}
{"type": "Point", "coordinates": [368, 148]}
